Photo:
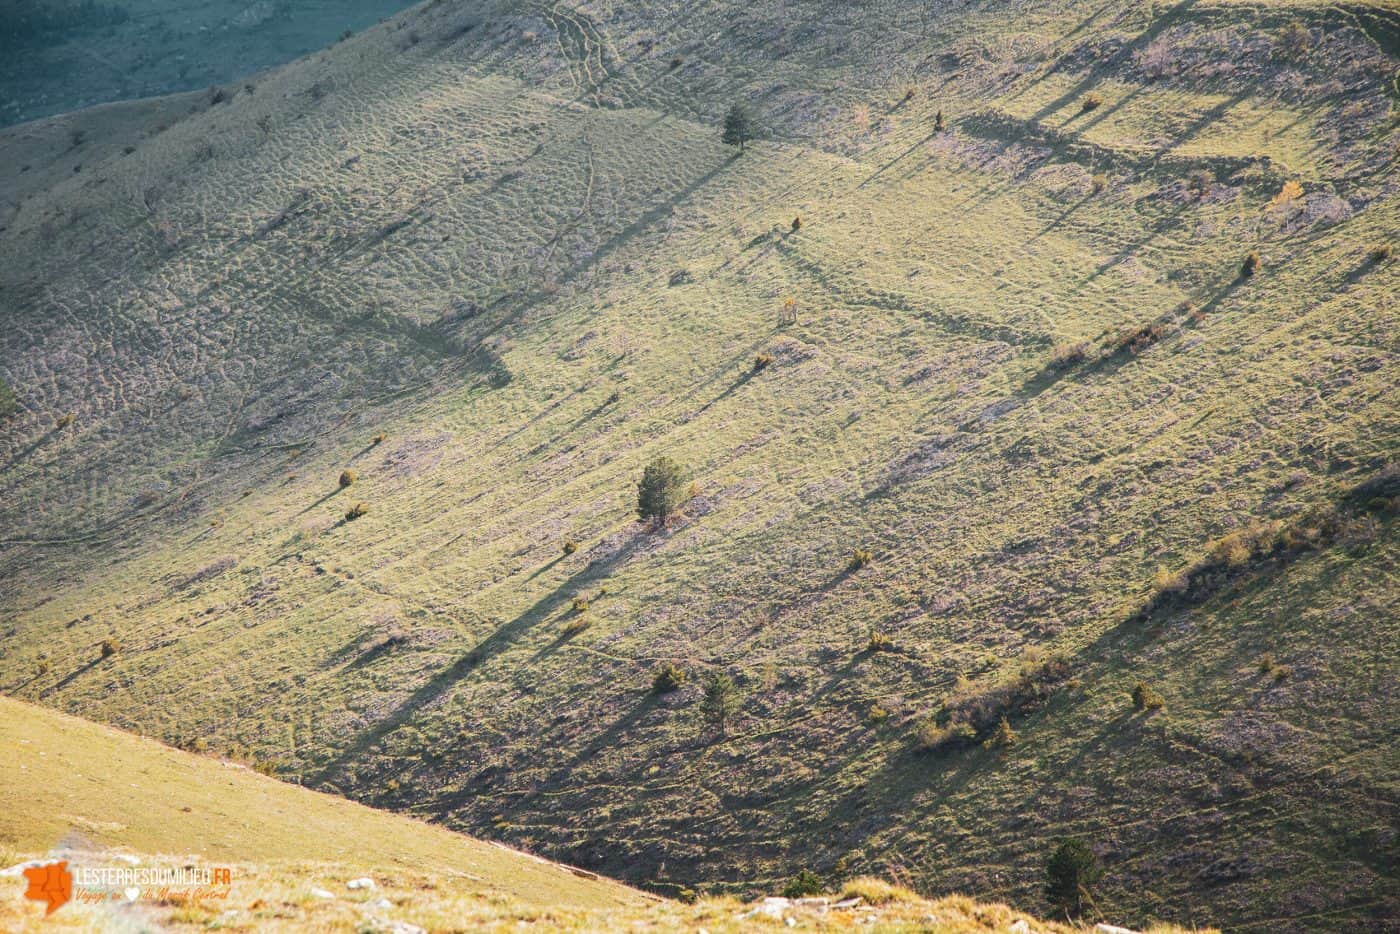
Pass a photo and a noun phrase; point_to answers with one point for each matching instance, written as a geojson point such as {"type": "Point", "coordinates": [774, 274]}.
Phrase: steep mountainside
{"type": "Point", "coordinates": [1001, 429]}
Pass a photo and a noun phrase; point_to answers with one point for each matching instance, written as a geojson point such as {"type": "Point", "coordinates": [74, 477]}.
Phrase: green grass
{"type": "Point", "coordinates": [469, 244]}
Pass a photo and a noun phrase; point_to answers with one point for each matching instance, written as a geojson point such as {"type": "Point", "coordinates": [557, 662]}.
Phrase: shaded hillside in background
{"type": "Point", "coordinates": [492, 258]}
{"type": "Point", "coordinates": [59, 55]}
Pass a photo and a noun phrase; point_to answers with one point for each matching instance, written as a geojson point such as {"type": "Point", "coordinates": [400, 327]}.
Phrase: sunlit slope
{"type": "Point", "coordinates": [514, 248]}
{"type": "Point", "coordinates": [70, 785]}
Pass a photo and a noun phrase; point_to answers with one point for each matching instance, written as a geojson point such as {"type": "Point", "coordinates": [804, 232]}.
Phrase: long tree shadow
{"type": "Point", "coordinates": [1124, 53]}
{"type": "Point", "coordinates": [495, 643]}
{"type": "Point", "coordinates": [70, 677]}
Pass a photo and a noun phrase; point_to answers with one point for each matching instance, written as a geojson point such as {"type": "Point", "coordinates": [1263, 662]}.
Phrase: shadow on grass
{"type": "Point", "coordinates": [498, 641]}
{"type": "Point", "coordinates": [70, 677]}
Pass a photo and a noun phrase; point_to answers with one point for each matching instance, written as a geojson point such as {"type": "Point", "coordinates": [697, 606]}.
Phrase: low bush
{"type": "Point", "coordinates": [762, 362]}
{"type": "Point", "coordinates": [109, 647]}
{"type": "Point", "coordinates": [1251, 265]}
{"type": "Point", "coordinates": [879, 642]}
{"type": "Point", "coordinates": [860, 558]}
{"type": "Point", "coordinates": [579, 605]}
{"type": "Point", "coordinates": [356, 511]}
{"type": "Point", "coordinates": [667, 679]}
{"type": "Point", "coordinates": [570, 546]}
{"type": "Point", "coordinates": [1002, 736]}
{"type": "Point", "coordinates": [1144, 698]}
{"type": "Point", "coordinates": [1090, 102]}
{"type": "Point", "coordinates": [347, 477]}
{"type": "Point", "coordinates": [1068, 354]}
{"type": "Point", "coordinates": [1380, 253]}
{"type": "Point", "coordinates": [975, 710]}
{"type": "Point", "coordinates": [803, 885]}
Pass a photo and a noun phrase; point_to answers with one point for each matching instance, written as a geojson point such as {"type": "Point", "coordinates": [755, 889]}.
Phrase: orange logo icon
{"type": "Point", "coordinates": [52, 883]}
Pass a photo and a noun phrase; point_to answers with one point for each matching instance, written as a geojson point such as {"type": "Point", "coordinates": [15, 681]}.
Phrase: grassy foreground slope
{"type": "Point", "coordinates": [95, 796]}
{"type": "Point", "coordinates": [493, 258]}
{"type": "Point", "coordinates": [74, 786]}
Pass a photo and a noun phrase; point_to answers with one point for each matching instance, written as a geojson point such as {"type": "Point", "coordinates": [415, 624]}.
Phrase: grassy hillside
{"type": "Point", "coordinates": [492, 258]}
{"type": "Point", "coordinates": [99, 797]}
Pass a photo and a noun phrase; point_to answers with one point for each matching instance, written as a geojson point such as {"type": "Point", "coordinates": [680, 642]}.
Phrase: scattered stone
{"type": "Point", "coordinates": [362, 883]}
{"type": "Point", "coordinates": [320, 893]}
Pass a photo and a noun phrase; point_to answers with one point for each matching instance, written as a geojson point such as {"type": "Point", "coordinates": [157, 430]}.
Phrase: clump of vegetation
{"type": "Point", "coordinates": [796, 224]}
{"type": "Point", "coordinates": [356, 511]}
{"type": "Point", "coordinates": [1002, 737]}
{"type": "Point", "coordinates": [721, 702]}
{"type": "Point", "coordinates": [1068, 354]}
{"type": "Point", "coordinates": [348, 477]}
{"type": "Point", "coordinates": [63, 421]}
{"type": "Point", "coordinates": [879, 642]}
{"type": "Point", "coordinates": [1090, 102]}
{"type": "Point", "coordinates": [1070, 873]}
{"type": "Point", "coordinates": [667, 678]}
{"type": "Point", "coordinates": [8, 403]}
{"type": "Point", "coordinates": [974, 711]}
{"type": "Point", "coordinates": [1136, 340]}
{"type": "Point", "coordinates": [1380, 253]}
{"type": "Point", "coordinates": [930, 735]}
{"type": "Point", "coordinates": [762, 362]}
{"type": "Point", "coordinates": [1145, 698]}
{"type": "Point", "coordinates": [939, 124]}
{"type": "Point", "coordinates": [579, 605]}
{"type": "Point", "coordinates": [378, 439]}
{"type": "Point", "coordinates": [109, 647]}
{"type": "Point", "coordinates": [570, 546]}
{"type": "Point", "coordinates": [739, 126]}
{"type": "Point", "coordinates": [577, 625]}
{"type": "Point", "coordinates": [876, 891]}
{"type": "Point", "coordinates": [1098, 183]}
{"type": "Point", "coordinates": [660, 491]}
{"type": "Point", "coordinates": [803, 885]}
{"type": "Point", "coordinates": [1251, 265]}
{"type": "Point", "coordinates": [860, 558]}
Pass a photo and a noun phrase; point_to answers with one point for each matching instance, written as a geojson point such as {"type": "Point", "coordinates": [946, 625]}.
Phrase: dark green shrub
{"type": "Point", "coordinates": [879, 642]}
{"type": "Point", "coordinates": [1069, 874]}
{"type": "Point", "coordinates": [667, 679]}
{"type": "Point", "coordinates": [721, 701]}
{"type": "Point", "coordinates": [803, 885]}
{"type": "Point", "coordinates": [661, 490]}
{"type": "Point", "coordinates": [738, 126]}
{"type": "Point", "coordinates": [796, 224]}
{"type": "Point", "coordinates": [1144, 698]}
{"type": "Point", "coordinates": [1251, 264]}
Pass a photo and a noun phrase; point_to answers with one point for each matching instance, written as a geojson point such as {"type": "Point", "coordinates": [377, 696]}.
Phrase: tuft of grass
{"type": "Point", "coordinates": [860, 557]}
{"type": "Point", "coordinates": [875, 891]}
